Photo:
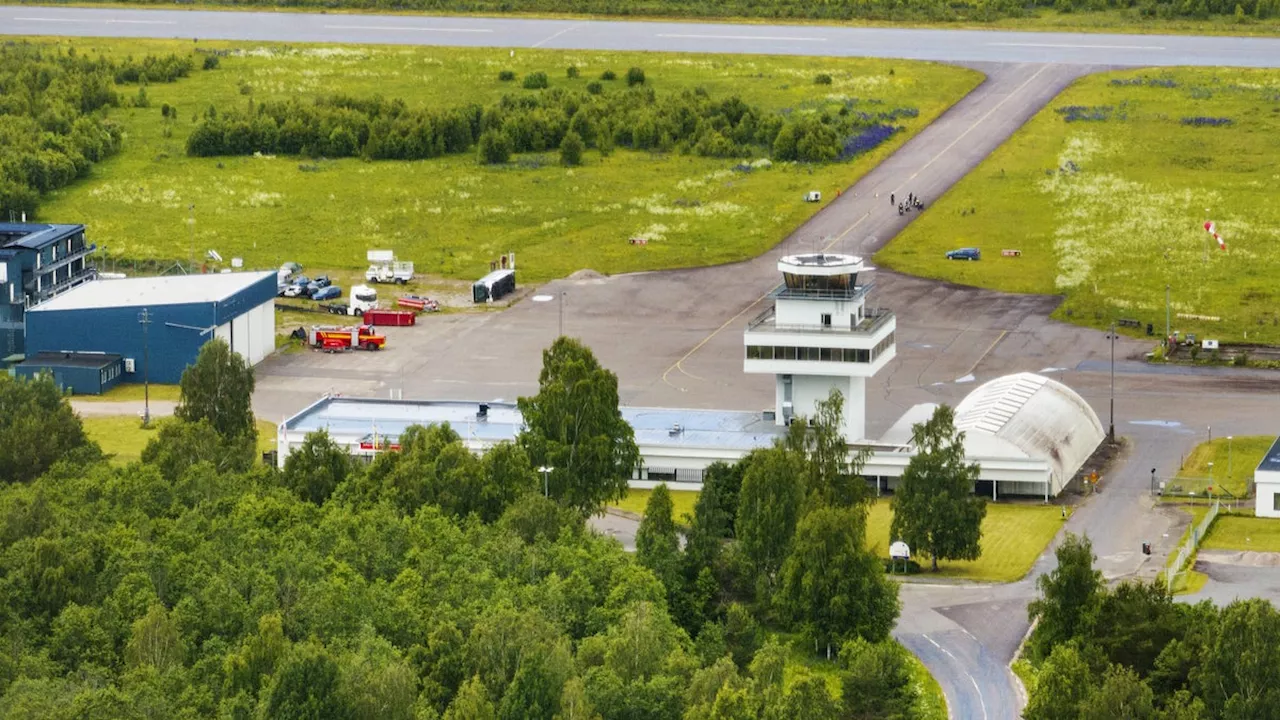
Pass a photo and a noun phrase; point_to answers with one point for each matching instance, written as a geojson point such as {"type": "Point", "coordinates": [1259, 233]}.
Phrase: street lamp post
{"type": "Point", "coordinates": [546, 471]}
{"type": "Point", "coordinates": [144, 319]}
{"type": "Point", "coordinates": [1111, 430]}
{"type": "Point", "coordinates": [1153, 482]}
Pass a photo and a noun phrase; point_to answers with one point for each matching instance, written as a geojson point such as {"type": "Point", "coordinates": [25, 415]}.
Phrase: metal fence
{"type": "Point", "coordinates": [1193, 542]}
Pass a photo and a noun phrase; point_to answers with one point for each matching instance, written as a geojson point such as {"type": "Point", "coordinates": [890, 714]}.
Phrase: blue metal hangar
{"type": "Point", "coordinates": [163, 321]}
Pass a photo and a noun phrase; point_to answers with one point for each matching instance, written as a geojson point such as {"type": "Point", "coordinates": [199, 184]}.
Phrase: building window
{"type": "Point", "coordinates": [826, 320]}
{"type": "Point", "coordinates": [1275, 502]}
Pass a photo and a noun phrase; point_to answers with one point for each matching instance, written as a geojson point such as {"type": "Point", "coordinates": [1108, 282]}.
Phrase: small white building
{"type": "Point", "coordinates": [1266, 481]}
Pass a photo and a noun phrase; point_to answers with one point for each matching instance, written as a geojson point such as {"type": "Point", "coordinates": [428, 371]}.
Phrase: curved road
{"type": "Point", "coordinates": [912, 44]}
{"type": "Point", "coordinates": [965, 634]}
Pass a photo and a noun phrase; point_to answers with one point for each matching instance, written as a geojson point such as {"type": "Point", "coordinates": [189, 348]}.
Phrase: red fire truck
{"type": "Point", "coordinates": [332, 338]}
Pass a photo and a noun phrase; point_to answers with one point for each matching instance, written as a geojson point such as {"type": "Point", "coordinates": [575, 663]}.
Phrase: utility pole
{"type": "Point", "coordinates": [144, 319]}
{"type": "Point", "coordinates": [1111, 432]}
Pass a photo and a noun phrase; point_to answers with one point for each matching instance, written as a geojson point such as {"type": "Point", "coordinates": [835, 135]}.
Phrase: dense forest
{"type": "Point", "coordinates": [901, 10]}
{"type": "Point", "coordinates": [1130, 651]}
{"type": "Point", "coordinates": [430, 582]}
{"type": "Point", "coordinates": [53, 123]}
{"type": "Point", "coordinates": [634, 117]}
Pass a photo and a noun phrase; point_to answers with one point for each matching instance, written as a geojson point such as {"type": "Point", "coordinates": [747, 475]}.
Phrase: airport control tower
{"type": "Point", "coordinates": [820, 335]}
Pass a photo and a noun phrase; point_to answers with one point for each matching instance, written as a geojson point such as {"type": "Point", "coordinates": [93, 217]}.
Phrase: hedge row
{"type": "Point", "coordinates": [639, 118]}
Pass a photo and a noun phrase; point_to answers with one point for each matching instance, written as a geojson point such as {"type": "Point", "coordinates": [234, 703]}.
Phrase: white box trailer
{"type": "Point", "coordinates": [384, 268]}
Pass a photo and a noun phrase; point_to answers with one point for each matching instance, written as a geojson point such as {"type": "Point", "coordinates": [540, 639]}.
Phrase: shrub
{"type": "Point", "coordinates": [822, 79]}
{"type": "Point", "coordinates": [142, 100]}
{"type": "Point", "coordinates": [535, 81]}
{"type": "Point", "coordinates": [164, 110]}
{"type": "Point", "coordinates": [210, 62]}
{"type": "Point", "coordinates": [571, 148]}
{"type": "Point", "coordinates": [495, 148]}
{"type": "Point", "coordinates": [506, 76]}
{"type": "Point", "coordinates": [595, 88]}
{"type": "Point", "coordinates": [608, 75]}
{"type": "Point", "coordinates": [635, 76]}
{"type": "Point", "coordinates": [572, 72]}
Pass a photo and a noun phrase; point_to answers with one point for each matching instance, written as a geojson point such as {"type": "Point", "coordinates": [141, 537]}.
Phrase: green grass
{"type": "Point", "coordinates": [931, 704]}
{"type": "Point", "coordinates": [124, 437]}
{"type": "Point", "coordinates": [451, 216]}
{"type": "Point", "coordinates": [1013, 536]}
{"type": "Point", "coordinates": [1235, 532]}
{"type": "Point", "coordinates": [1112, 235]}
{"type": "Point", "coordinates": [131, 392]}
{"type": "Point", "coordinates": [1245, 454]}
{"type": "Point", "coordinates": [1026, 672]}
{"type": "Point", "coordinates": [682, 502]}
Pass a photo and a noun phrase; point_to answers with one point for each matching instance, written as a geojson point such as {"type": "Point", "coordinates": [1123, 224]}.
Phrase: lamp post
{"type": "Point", "coordinates": [560, 333]}
{"type": "Point", "coordinates": [1228, 458]}
{"type": "Point", "coordinates": [1153, 482]}
{"type": "Point", "coordinates": [1111, 430]}
{"type": "Point", "coordinates": [546, 471]}
{"type": "Point", "coordinates": [144, 319]}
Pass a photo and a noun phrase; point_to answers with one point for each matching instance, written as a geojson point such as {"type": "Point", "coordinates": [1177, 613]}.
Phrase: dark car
{"type": "Point", "coordinates": [965, 254]}
{"type": "Point", "coordinates": [328, 292]}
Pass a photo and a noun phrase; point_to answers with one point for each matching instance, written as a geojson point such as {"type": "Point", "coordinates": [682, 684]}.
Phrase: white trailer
{"type": "Point", "coordinates": [384, 268]}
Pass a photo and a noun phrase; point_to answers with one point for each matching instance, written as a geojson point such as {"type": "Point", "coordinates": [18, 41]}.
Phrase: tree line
{"type": "Point", "coordinates": [1130, 651]}
{"type": "Point", "coordinates": [53, 115]}
{"type": "Point", "coordinates": [636, 117]}
{"type": "Point", "coordinates": [430, 582]}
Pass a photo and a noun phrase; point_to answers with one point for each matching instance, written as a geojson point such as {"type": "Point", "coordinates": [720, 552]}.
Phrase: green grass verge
{"type": "Point", "coordinates": [930, 704]}
{"type": "Point", "coordinates": [1013, 536]}
{"type": "Point", "coordinates": [1109, 212]}
{"type": "Point", "coordinates": [452, 216]}
{"type": "Point", "coordinates": [1233, 464]}
{"type": "Point", "coordinates": [123, 436]}
{"type": "Point", "coordinates": [1026, 673]}
{"type": "Point", "coordinates": [1235, 532]}
{"type": "Point", "coordinates": [682, 502]}
{"type": "Point", "coordinates": [131, 392]}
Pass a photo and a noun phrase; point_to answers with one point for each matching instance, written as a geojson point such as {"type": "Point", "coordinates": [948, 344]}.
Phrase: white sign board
{"type": "Point", "coordinates": [1210, 344]}
{"type": "Point", "coordinates": [899, 550]}
{"type": "Point", "coordinates": [381, 256]}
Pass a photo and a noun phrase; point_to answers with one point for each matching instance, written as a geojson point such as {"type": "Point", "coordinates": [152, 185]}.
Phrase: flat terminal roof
{"type": "Point", "coordinates": [1271, 461]}
{"type": "Point", "coordinates": [72, 359]}
{"type": "Point", "coordinates": [148, 291]}
{"type": "Point", "coordinates": [35, 235]}
{"type": "Point", "coordinates": [726, 429]}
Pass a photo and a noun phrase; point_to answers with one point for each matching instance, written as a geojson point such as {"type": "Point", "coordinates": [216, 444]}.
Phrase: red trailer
{"type": "Point", "coordinates": [390, 318]}
{"type": "Point", "coordinates": [418, 302]}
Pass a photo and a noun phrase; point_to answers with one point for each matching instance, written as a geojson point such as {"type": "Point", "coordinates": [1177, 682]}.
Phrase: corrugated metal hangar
{"type": "Point", "coordinates": [183, 313]}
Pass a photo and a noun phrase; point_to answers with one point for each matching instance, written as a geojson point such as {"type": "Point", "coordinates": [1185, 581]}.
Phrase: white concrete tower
{"type": "Point", "coordinates": [820, 335]}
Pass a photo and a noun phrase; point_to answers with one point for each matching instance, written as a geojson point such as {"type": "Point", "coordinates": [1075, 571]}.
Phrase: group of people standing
{"type": "Point", "coordinates": [912, 203]}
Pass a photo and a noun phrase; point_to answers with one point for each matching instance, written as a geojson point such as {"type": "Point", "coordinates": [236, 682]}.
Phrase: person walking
{"type": "Point", "coordinates": [892, 202]}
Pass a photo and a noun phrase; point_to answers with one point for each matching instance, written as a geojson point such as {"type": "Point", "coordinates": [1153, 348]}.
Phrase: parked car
{"type": "Point", "coordinates": [295, 290]}
{"type": "Point", "coordinates": [316, 285]}
{"type": "Point", "coordinates": [290, 268]}
{"type": "Point", "coordinates": [965, 254]}
{"type": "Point", "coordinates": [328, 292]}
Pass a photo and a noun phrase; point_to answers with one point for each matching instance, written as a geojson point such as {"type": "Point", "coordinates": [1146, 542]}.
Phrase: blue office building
{"type": "Point", "coordinates": [37, 262]}
{"type": "Point", "coordinates": [157, 325]}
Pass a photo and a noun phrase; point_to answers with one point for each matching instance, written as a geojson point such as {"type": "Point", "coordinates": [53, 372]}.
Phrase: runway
{"type": "Point", "coordinates": [957, 46]}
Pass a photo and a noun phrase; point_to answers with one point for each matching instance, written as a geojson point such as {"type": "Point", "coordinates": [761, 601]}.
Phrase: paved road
{"type": "Point", "coordinates": [915, 44]}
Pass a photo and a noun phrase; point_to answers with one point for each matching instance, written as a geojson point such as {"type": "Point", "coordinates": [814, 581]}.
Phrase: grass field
{"type": "Point", "coordinates": [1013, 536]}
{"type": "Point", "coordinates": [1235, 532]}
{"type": "Point", "coordinates": [131, 392]}
{"type": "Point", "coordinates": [451, 215]}
{"type": "Point", "coordinates": [1233, 465]}
{"type": "Point", "coordinates": [1104, 192]}
{"type": "Point", "coordinates": [682, 502]}
{"type": "Point", "coordinates": [124, 437]}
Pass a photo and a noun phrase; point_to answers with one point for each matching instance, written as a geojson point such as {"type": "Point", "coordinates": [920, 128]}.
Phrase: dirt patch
{"type": "Point", "coordinates": [1102, 459]}
{"type": "Point", "coordinates": [1245, 558]}
{"type": "Point", "coordinates": [587, 274]}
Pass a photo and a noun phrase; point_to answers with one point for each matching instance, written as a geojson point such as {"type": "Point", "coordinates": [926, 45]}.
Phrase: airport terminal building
{"type": "Point", "coordinates": [1029, 434]}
